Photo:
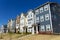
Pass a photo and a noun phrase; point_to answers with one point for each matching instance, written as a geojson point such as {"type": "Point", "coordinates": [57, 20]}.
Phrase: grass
{"type": "Point", "coordinates": [9, 36]}
{"type": "Point", "coordinates": [15, 36]}
{"type": "Point", "coordinates": [41, 37]}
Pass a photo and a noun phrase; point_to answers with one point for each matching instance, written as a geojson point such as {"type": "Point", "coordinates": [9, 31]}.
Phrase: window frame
{"type": "Point", "coordinates": [41, 10]}
{"type": "Point", "coordinates": [47, 16]}
{"type": "Point", "coordinates": [42, 28]}
{"type": "Point", "coordinates": [37, 11]}
{"type": "Point", "coordinates": [46, 7]}
{"type": "Point", "coordinates": [48, 26]}
{"type": "Point", "coordinates": [41, 18]}
{"type": "Point", "coordinates": [37, 19]}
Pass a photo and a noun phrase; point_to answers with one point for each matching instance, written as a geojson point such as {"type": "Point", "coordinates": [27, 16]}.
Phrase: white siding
{"type": "Point", "coordinates": [30, 20]}
{"type": "Point", "coordinates": [22, 22]}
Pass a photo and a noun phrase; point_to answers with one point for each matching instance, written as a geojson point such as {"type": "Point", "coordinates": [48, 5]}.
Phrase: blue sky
{"type": "Point", "coordinates": [11, 8]}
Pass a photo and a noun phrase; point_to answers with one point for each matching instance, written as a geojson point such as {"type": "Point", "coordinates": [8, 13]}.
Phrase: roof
{"type": "Point", "coordinates": [30, 10]}
{"type": "Point", "coordinates": [44, 5]}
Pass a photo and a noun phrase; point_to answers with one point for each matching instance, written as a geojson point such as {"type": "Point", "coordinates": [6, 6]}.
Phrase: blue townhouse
{"type": "Point", "coordinates": [47, 18]}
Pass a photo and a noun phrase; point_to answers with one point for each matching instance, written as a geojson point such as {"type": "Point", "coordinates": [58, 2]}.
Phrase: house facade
{"type": "Point", "coordinates": [4, 29]}
{"type": "Point", "coordinates": [47, 18]}
{"type": "Point", "coordinates": [17, 23]}
{"type": "Point", "coordinates": [25, 25]}
{"type": "Point", "coordinates": [43, 19]}
{"type": "Point", "coordinates": [22, 22]}
{"type": "Point", "coordinates": [30, 20]}
{"type": "Point", "coordinates": [8, 25]}
{"type": "Point", "coordinates": [11, 25]}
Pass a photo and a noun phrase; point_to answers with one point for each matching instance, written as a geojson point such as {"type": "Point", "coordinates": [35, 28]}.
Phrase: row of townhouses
{"type": "Point", "coordinates": [43, 19]}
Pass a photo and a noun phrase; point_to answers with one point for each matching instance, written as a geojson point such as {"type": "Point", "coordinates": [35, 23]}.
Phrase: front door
{"type": "Point", "coordinates": [34, 29]}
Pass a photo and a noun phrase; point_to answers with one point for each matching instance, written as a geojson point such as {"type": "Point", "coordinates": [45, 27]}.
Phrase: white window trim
{"type": "Point", "coordinates": [42, 18]}
{"type": "Point", "coordinates": [37, 19]}
{"type": "Point", "coordinates": [46, 7]}
{"type": "Point", "coordinates": [37, 11]}
{"type": "Point", "coordinates": [46, 16]}
{"type": "Point", "coordinates": [41, 9]}
{"type": "Point", "coordinates": [42, 27]}
{"type": "Point", "coordinates": [48, 27]}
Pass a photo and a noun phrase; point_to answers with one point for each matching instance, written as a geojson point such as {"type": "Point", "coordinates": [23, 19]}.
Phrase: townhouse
{"type": "Point", "coordinates": [30, 20]}
{"type": "Point", "coordinates": [11, 25]}
{"type": "Point", "coordinates": [22, 23]}
{"type": "Point", "coordinates": [47, 18]}
{"type": "Point", "coordinates": [43, 19]}
{"type": "Point", "coordinates": [25, 26]}
{"type": "Point", "coordinates": [4, 28]}
{"type": "Point", "coordinates": [17, 24]}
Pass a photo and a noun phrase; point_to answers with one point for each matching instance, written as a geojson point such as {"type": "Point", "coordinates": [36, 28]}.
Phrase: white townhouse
{"type": "Point", "coordinates": [22, 22]}
{"type": "Point", "coordinates": [11, 25]}
{"type": "Point", "coordinates": [30, 20]}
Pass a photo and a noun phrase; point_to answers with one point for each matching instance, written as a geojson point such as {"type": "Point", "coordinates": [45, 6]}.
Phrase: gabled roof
{"type": "Point", "coordinates": [30, 10]}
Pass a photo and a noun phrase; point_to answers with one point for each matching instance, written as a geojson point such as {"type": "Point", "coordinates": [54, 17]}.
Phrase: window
{"type": "Point", "coordinates": [22, 18]}
{"type": "Point", "coordinates": [42, 28]}
{"type": "Point", "coordinates": [48, 27]}
{"type": "Point", "coordinates": [29, 22]}
{"type": "Point", "coordinates": [37, 19]}
{"type": "Point", "coordinates": [41, 9]}
{"type": "Point", "coordinates": [28, 16]}
{"type": "Point", "coordinates": [41, 18]}
{"type": "Point", "coordinates": [46, 7]}
{"type": "Point", "coordinates": [31, 15]}
{"type": "Point", "coordinates": [37, 11]}
{"type": "Point", "coordinates": [46, 16]}
{"type": "Point", "coordinates": [29, 19]}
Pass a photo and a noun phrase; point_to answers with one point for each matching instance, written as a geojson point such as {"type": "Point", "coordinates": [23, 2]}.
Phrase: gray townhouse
{"type": "Point", "coordinates": [47, 19]}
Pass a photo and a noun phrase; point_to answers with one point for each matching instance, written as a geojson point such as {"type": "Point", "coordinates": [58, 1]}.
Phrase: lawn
{"type": "Point", "coordinates": [41, 37]}
{"type": "Point", "coordinates": [13, 36]}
